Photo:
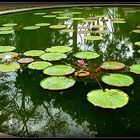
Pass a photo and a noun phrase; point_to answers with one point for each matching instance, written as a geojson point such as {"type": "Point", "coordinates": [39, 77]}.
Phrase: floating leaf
{"type": "Point", "coordinates": [81, 73]}
{"type": "Point", "coordinates": [7, 48]}
{"type": "Point", "coordinates": [53, 56]}
{"type": "Point", "coordinates": [89, 20]}
{"type": "Point", "coordinates": [63, 17]}
{"type": "Point", "coordinates": [112, 65]}
{"type": "Point", "coordinates": [59, 49]}
{"type": "Point", "coordinates": [58, 26]}
{"type": "Point", "coordinates": [93, 38]}
{"type": "Point", "coordinates": [138, 51]}
{"type": "Point", "coordinates": [136, 31]}
{"type": "Point", "coordinates": [9, 67]}
{"type": "Point", "coordinates": [12, 54]}
{"type": "Point", "coordinates": [135, 68]}
{"type": "Point", "coordinates": [57, 83]}
{"type": "Point", "coordinates": [59, 70]}
{"type": "Point", "coordinates": [57, 12]}
{"type": "Point", "coordinates": [119, 21]}
{"type": "Point", "coordinates": [76, 13]}
{"type": "Point", "coordinates": [83, 27]}
{"type": "Point", "coordinates": [84, 32]}
{"type": "Point", "coordinates": [77, 18]}
{"type": "Point", "coordinates": [10, 24]}
{"type": "Point", "coordinates": [67, 30]}
{"type": "Point", "coordinates": [33, 53]}
{"type": "Point", "coordinates": [42, 24]}
{"type": "Point", "coordinates": [39, 13]}
{"type": "Point", "coordinates": [116, 79]}
{"type": "Point", "coordinates": [6, 28]}
{"type": "Point", "coordinates": [39, 65]}
{"type": "Point", "coordinates": [109, 98]}
{"type": "Point", "coordinates": [31, 27]}
{"type": "Point", "coordinates": [137, 43]}
{"type": "Point", "coordinates": [100, 16]}
{"type": "Point", "coordinates": [25, 60]}
{"type": "Point", "coordinates": [102, 31]}
{"type": "Point", "coordinates": [49, 16]}
{"type": "Point", "coordinates": [86, 55]}
{"type": "Point", "coordinates": [99, 26]}
{"type": "Point", "coordinates": [6, 32]}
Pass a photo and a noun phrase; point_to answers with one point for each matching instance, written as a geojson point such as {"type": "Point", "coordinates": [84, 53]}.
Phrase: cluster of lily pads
{"type": "Point", "coordinates": [60, 76]}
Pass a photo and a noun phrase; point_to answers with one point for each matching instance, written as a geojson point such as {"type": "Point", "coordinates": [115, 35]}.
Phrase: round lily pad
{"type": "Point", "coordinates": [86, 55]}
{"type": "Point", "coordinates": [9, 67]}
{"type": "Point", "coordinates": [138, 51]}
{"type": "Point", "coordinates": [49, 16]}
{"type": "Point", "coordinates": [136, 31]}
{"type": "Point", "coordinates": [53, 56]}
{"type": "Point", "coordinates": [7, 48]}
{"type": "Point", "coordinates": [76, 13]}
{"type": "Point", "coordinates": [12, 54]}
{"type": "Point", "coordinates": [67, 30]}
{"type": "Point", "coordinates": [58, 70]}
{"type": "Point", "coordinates": [137, 43]}
{"type": "Point", "coordinates": [39, 13]}
{"type": "Point", "coordinates": [33, 53]}
{"type": "Point", "coordinates": [119, 21]}
{"type": "Point", "coordinates": [58, 26]}
{"type": "Point", "coordinates": [6, 32]}
{"type": "Point", "coordinates": [77, 18]}
{"type": "Point", "coordinates": [63, 17]}
{"type": "Point", "coordinates": [25, 60]}
{"type": "Point", "coordinates": [59, 49]}
{"type": "Point", "coordinates": [135, 68]}
{"type": "Point", "coordinates": [89, 20]}
{"type": "Point", "coordinates": [39, 65]}
{"type": "Point", "coordinates": [42, 24]}
{"type": "Point", "coordinates": [10, 24]}
{"type": "Point", "coordinates": [99, 26]}
{"type": "Point", "coordinates": [31, 27]}
{"type": "Point", "coordinates": [100, 16]}
{"type": "Point", "coordinates": [112, 65]}
{"type": "Point", "coordinates": [57, 83]}
{"type": "Point", "coordinates": [116, 79]}
{"type": "Point", "coordinates": [57, 12]}
{"type": "Point", "coordinates": [6, 28]}
{"type": "Point", "coordinates": [93, 37]}
{"type": "Point", "coordinates": [109, 98]}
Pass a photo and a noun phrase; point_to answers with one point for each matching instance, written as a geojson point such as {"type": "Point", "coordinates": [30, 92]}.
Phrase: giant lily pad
{"type": "Point", "coordinates": [63, 17]}
{"type": "Point", "coordinates": [116, 79]}
{"type": "Point", "coordinates": [93, 37]}
{"type": "Point", "coordinates": [119, 21]}
{"type": "Point", "coordinates": [109, 98]}
{"type": "Point", "coordinates": [7, 48]}
{"type": "Point", "coordinates": [10, 24]}
{"type": "Point", "coordinates": [137, 43]}
{"type": "Point", "coordinates": [6, 32]}
{"type": "Point", "coordinates": [67, 30]}
{"type": "Point", "coordinates": [33, 53]}
{"type": "Point", "coordinates": [31, 27]}
{"type": "Point", "coordinates": [86, 55]}
{"type": "Point", "coordinates": [6, 28]}
{"type": "Point", "coordinates": [39, 65]}
{"type": "Point", "coordinates": [59, 49]}
{"type": "Point", "coordinates": [12, 54]}
{"type": "Point", "coordinates": [58, 26]}
{"type": "Point", "coordinates": [135, 68]}
{"type": "Point", "coordinates": [25, 60]}
{"type": "Point", "coordinates": [49, 16]}
{"type": "Point", "coordinates": [78, 18]}
{"type": "Point", "coordinates": [57, 83]}
{"type": "Point", "coordinates": [99, 26]}
{"type": "Point", "coordinates": [42, 24]}
{"type": "Point", "coordinates": [136, 31]}
{"type": "Point", "coordinates": [75, 13]}
{"type": "Point", "coordinates": [138, 51]}
{"type": "Point", "coordinates": [53, 56]}
{"type": "Point", "coordinates": [112, 65]}
{"type": "Point", "coordinates": [59, 70]}
{"type": "Point", "coordinates": [57, 12]}
{"type": "Point", "coordinates": [9, 67]}
{"type": "Point", "coordinates": [39, 14]}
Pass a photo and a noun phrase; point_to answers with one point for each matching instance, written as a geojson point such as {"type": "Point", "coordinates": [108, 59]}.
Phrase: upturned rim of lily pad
{"type": "Point", "coordinates": [39, 65]}
{"type": "Point", "coordinates": [12, 54]}
{"type": "Point", "coordinates": [57, 26]}
{"type": "Point", "coordinates": [119, 21]}
{"type": "Point", "coordinates": [108, 98]}
{"type": "Point", "coordinates": [38, 14]}
{"type": "Point", "coordinates": [25, 60]}
{"type": "Point", "coordinates": [59, 49]}
{"type": "Point", "coordinates": [49, 16]}
{"type": "Point", "coordinates": [137, 43]}
{"type": "Point", "coordinates": [112, 65]}
{"type": "Point", "coordinates": [42, 24]}
{"type": "Point", "coordinates": [93, 38]}
{"type": "Point", "coordinates": [63, 17]}
{"type": "Point", "coordinates": [81, 74]}
{"type": "Point", "coordinates": [33, 27]}
{"type": "Point", "coordinates": [117, 79]}
{"type": "Point", "coordinates": [7, 48]}
{"type": "Point", "coordinates": [67, 30]}
{"type": "Point", "coordinates": [59, 70]}
{"type": "Point", "coordinates": [9, 24]}
{"type": "Point", "coordinates": [136, 31]}
{"type": "Point", "coordinates": [57, 83]}
{"type": "Point", "coordinates": [4, 32]}
{"type": "Point", "coordinates": [86, 55]}
{"type": "Point", "coordinates": [77, 18]}
{"type": "Point", "coordinates": [10, 67]}
{"type": "Point", "coordinates": [6, 28]}
{"type": "Point", "coordinates": [53, 56]}
{"type": "Point", "coordinates": [34, 53]}
{"type": "Point", "coordinates": [135, 68]}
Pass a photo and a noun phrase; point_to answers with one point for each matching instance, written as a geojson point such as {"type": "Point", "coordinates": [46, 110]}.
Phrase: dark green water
{"type": "Point", "coordinates": [27, 110]}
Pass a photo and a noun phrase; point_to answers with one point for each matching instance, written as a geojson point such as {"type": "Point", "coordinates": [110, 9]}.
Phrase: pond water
{"type": "Point", "coordinates": [28, 110]}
